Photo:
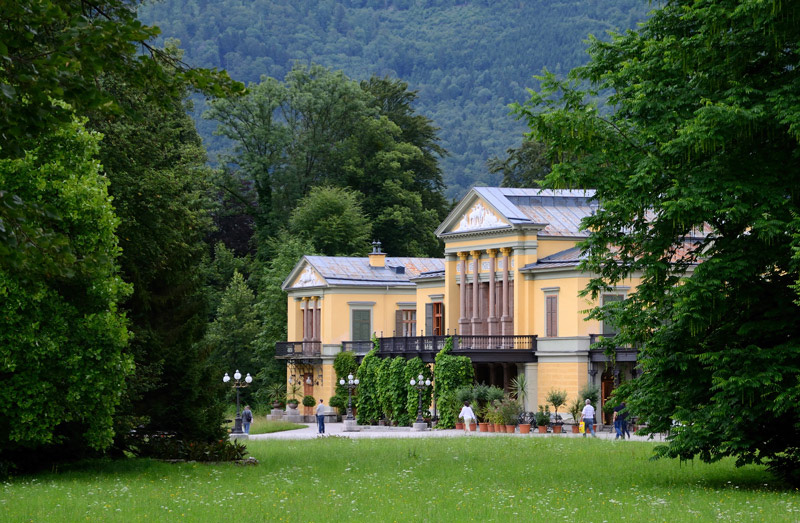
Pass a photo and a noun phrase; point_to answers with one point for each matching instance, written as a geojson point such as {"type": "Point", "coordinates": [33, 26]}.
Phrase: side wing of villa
{"type": "Point", "coordinates": [507, 290]}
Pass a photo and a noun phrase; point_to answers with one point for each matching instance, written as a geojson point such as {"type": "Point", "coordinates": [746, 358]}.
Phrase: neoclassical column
{"type": "Point", "coordinates": [305, 306]}
{"type": "Point", "coordinates": [462, 319]}
{"type": "Point", "coordinates": [492, 319]}
{"type": "Point", "coordinates": [476, 320]}
{"type": "Point", "coordinates": [506, 319]}
{"type": "Point", "coordinates": [317, 319]}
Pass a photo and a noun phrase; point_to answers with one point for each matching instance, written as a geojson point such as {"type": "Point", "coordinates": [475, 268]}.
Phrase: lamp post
{"type": "Point", "coordinates": [237, 384]}
{"type": "Point", "coordinates": [421, 384]}
{"type": "Point", "coordinates": [350, 384]}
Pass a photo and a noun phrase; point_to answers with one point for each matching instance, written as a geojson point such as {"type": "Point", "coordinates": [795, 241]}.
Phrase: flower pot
{"type": "Point", "coordinates": [576, 429]}
{"type": "Point", "coordinates": [491, 427]}
{"type": "Point", "coordinates": [510, 429]}
{"type": "Point", "coordinates": [542, 429]}
{"type": "Point", "coordinates": [484, 427]}
{"type": "Point", "coordinates": [472, 427]}
{"type": "Point", "coordinates": [459, 426]}
{"type": "Point", "coordinates": [524, 428]}
{"type": "Point", "coordinates": [556, 429]}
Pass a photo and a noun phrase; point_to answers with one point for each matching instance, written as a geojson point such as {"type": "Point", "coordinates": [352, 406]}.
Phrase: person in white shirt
{"type": "Point", "coordinates": [588, 418]}
{"type": "Point", "coordinates": [467, 414]}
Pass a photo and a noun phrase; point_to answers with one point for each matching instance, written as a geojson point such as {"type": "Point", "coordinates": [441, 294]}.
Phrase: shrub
{"type": "Point", "coordinates": [309, 401]}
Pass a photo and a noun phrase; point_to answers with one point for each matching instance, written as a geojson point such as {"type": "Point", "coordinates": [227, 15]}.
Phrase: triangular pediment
{"type": "Point", "coordinates": [473, 214]}
{"type": "Point", "coordinates": [303, 275]}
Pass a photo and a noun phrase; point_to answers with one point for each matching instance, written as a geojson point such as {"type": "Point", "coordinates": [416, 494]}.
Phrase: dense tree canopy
{"type": "Point", "coordinates": [62, 336]}
{"type": "Point", "coordinates": [468, 59]}
{"type": "Point", "coordinates": [320, 127]}
{"type": "Point", "coordinates": [699, 163]}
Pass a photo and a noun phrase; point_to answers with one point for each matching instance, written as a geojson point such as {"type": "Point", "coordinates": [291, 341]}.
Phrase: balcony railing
{"type": "Point", "coordinates": [359, 348]}
{"type": "Point", "coordinates": [298, 349]}
{"type": "Point", "coordinates": [460, 343]}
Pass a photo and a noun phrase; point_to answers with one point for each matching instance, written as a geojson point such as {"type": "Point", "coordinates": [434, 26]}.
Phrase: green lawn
{"type": "Point", "coordinates": [260, 425]}
{"type": "Point", "coordinates": [437, 479]}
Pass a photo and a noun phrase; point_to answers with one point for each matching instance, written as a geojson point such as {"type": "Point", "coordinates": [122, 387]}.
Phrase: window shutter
{"type": "Point", "coordinates": [398, 323]}
{"type": "Point", "coordinates": [361, 325]}
{"type": "Point", "coordinates": [551, 329]}
{"type": "Point", "coordinates": [429, 319]}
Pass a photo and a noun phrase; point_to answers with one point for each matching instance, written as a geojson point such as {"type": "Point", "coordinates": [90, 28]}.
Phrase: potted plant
{"type": "Point", "coordinates": [460, 423]}
{"type": "Point", "coordinates": [276, 394]}
{"type": "Point", "coordinates": [543, 418]}
{"type": "Point", "coordinates": [557, 398]}
{"type": "Point", "coordinates": [294, 390]}
{"type": "Point", "coordinates": [509, 411]}
{"type": "Point", "coordinates": [309, 401]}
{"type": "Point", "coordinates": [525, 422]}
{"type": "Point", "coordinates": [575, 410]}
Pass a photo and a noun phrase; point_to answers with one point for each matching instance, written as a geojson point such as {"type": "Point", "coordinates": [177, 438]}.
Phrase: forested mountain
{"type": "Point", "coordinates": [467, 59]}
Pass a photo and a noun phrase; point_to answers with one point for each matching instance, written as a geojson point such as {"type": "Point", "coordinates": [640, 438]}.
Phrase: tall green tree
{"type": "Point", "coordinates": [319, 127]}
{"type": "Point", "coordinates": [331, 218]}
{"type": "Point", "coordinates": [62, 335]}
{"type": "Point", "coordinates": [155, 163]}
{"type": "Point", "coordinates": [523, 166]}
{"type": "Point", "coordinates": [696, 176]}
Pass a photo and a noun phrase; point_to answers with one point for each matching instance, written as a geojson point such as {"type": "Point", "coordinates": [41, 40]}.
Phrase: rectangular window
{"type": "Point", "coordinates": [551, 316]}
{"type": "Point", "coordinates": [609, 329]}
{"type": "Point", "coordinates": [361, 324]}
{"type": "Point", "coordinates": [438, 319]}
{"type": "Point", "coordinates": [408, 323]}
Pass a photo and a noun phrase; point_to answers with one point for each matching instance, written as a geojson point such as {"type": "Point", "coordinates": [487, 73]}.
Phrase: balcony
{"type": "Point", "coordinates": [298, 349]}
{"type": "Point", "coordinates": [622, 353]}
{"type": "Point", "coordinates": [477, 348]}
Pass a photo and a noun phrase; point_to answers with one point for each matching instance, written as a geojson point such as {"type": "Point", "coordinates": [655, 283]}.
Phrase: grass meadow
{"type": "Point", "coordinates": [431, 479]}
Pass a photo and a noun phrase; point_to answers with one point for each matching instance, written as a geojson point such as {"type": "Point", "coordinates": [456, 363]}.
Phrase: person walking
{"type": "Point", "coordinates": [621, 421]}
{"type": "Point", "coordinates": [321, 416]}
{"type": "Point", "coordinates": [247, 419]}
{"type": "Point", "coordinates": [468, 415]}
{"type": "Point", "coordinates": [588, 418]}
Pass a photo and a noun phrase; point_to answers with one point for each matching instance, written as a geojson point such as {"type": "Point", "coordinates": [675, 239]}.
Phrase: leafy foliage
{"type": "Point", "coordinates": [332, 220]}
{"type": "Point", "coordinates": [369, 406]}
{"type": "Point", "coordinates": [452, 373]}
{"type": "Point", "coordinates": [415, 367]}
{"type": "Point", "coordinates": [319, 127]}
{"type": "Point", "coordinates": [467, 60]}
{"type": "Point", "coordinates": [698, 164]}
{"type": "Point", "coordinates": [62, 337]}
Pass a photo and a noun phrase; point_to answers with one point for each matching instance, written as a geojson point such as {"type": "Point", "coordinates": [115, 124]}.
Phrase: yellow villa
{"type": "Point", "coordinates": [507, 290]}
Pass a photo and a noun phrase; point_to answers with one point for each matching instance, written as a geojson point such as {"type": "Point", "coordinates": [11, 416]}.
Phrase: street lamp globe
{"type": "Point", "coordinates": [248, 378]}
{"type": "Point", "coordinates": [226, 378]}
{"type": "Point", "coordinates": [237, 375]}
{"type": "Point", "coordinates": [341, 381]}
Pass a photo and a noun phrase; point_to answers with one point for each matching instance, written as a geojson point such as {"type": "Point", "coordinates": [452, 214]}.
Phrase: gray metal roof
{"type": "Point", "coordinates": [566, 258]}
{"type": "Point", "coordinates": [357, 271]}
{"type": "Point", "coordinates": [560, 211]}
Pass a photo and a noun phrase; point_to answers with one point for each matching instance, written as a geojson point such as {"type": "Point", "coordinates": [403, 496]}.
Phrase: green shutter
{"type": "Point", "coordinates": [362, 329]}
{"type": "Point", "coordinates": [429, 319]}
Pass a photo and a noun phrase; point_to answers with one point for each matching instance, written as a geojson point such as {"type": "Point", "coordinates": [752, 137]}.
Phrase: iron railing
{"type": "Point", "coordinates": [359, 348]}
{"type": "Point", "coordinates": [408, 344]}
{"type": "Point", "coordinates": [298, 349]}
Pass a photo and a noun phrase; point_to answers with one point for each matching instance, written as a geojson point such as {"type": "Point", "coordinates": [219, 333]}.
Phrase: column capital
{"type": "Point", "coordinates": [491, 252]}
{"type": "Point", "coordinates": [475, 254]}
{"type": "Point", "coordinates": [305, 298]}
{"type": "Point", "coordinates": [462, 255]}
{"type": "Point", "coordinates": [506, 251]}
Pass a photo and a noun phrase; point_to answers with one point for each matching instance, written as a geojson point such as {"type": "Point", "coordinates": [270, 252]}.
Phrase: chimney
{"type": "Point", "coordinates": [376, 257]}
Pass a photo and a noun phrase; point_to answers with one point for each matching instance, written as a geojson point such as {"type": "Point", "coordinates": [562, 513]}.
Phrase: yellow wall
{"type": "Point", "coordinates": [550, 246]}
{"type": "Point", "coordinates": [562, 376]}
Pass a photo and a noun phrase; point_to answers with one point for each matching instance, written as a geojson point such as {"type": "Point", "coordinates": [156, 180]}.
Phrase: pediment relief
{"type": "Point", "coordinates": [308, 278]}
{"type": "Point", "coordinates": [478, 217]}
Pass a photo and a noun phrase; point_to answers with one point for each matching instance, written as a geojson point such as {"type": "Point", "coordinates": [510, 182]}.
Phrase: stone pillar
{"type": "Point", "coordinates": [306, 310]}
{"type": "Point", "coordinates": [506, 319]}
{"type": "Point", "coordinates": [476, 255]}
{"type": "Point", "coordinates": [317, 318]}
{"type": "Point", "coordinates": [492, 319]}
{"type": "Point", "coordinates": [463, 322]}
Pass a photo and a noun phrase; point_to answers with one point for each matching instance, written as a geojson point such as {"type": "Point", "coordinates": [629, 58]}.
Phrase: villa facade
{"type": "Point", "coordinates": [507, 290]}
